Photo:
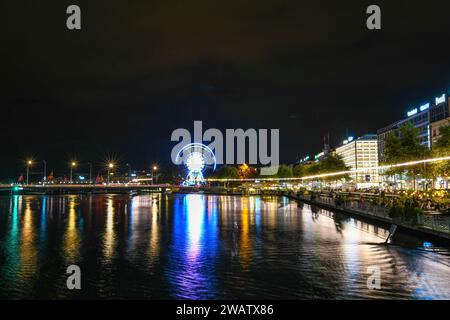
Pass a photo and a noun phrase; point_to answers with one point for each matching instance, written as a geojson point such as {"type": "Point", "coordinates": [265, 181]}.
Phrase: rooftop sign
{"type": "Point", "coordinates": [424, 107]}
{"type": "Point", "coordinates": [440, 99]}
{"type": "Point", "coordinates": [412, 112]}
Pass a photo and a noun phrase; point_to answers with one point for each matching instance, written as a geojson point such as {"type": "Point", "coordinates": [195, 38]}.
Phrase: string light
{"type": "Point", "coordinates": [340, 173]}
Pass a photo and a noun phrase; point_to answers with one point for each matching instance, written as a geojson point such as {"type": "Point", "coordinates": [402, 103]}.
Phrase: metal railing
{"type": "Point", "coordinates": [437, 222]}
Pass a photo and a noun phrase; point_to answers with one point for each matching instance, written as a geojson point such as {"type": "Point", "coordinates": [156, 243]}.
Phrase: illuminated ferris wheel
{"type": "Point", "coordinates": [197, 158]}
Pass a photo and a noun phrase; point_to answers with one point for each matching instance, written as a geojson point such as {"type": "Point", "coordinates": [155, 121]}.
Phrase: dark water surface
{"type": "Point", "coordinates": [206, 247]}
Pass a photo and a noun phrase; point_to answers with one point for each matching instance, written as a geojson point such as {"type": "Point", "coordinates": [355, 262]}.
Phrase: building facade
{"type": "Point", "coordinates": [435, 126]}
{"type": "Point", "coordinates": [419, 120]}
{"type": "Point", "coordinates": [439, 117]}
{"type": "Point", "coordinates": [361, 154]}
{"type": "Point", "coordinates": [426, 118]}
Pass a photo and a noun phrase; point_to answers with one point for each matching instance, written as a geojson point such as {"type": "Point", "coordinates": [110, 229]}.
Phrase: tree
{"type": "Point", "coordinates": [392, 153]}
{"type": "Point", "coordinates": [406, 147]}
{"type": "Point", "coordinates": [443, 144]}
{"type": "Point", "coordinates": [284, 171]}
{"type": "Point", "coordinates": [312, 169]}
{"type": "Point", "coordinates": [442, 149]}
{"type": "Point", "coordinates": [299, 170]}
{"type": "Point", "coordinates": [333, 163]}
{"type": "Point", "coordinates": [246, 172]}
{"type": "Point", "coordinates": [227, 172]}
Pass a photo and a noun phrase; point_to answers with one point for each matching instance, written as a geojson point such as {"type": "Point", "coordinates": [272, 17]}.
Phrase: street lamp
{"type": "Point", "coordinates": [110, 167]}
{"type": "Point", "coordinates": [45, 171]}
{"type": "Point", "coordinates": [72, 165]}
{"type": "Point", "coordinates": [90, 172]}
{"type": "Point", "coordinates": [29, 163]}
{"type": "Point", "coordinates": [129, 172]}
{"type": "Point", "coordinates": [154, 168]}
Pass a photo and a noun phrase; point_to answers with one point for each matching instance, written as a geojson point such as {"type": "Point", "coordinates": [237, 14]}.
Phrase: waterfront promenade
{"type": "Point", "coordinates": [431, 223]}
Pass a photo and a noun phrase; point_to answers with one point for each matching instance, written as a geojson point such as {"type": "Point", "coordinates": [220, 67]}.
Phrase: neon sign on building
{"type": "Point", "coordinates": [424, 107]}
{"type": "Point", "coordinates": [412, 112]}
{"type": "Point", "coordinates": [440, 99]}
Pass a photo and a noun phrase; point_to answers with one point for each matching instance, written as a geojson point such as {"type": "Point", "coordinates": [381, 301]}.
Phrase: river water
{"type": "Point", "coordinates": [198, 246]}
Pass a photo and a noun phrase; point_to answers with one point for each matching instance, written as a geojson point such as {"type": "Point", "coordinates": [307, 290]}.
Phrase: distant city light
{"type": "Point", "coordinates": [317, 156]}
{"type": "Point", "coordinates": [349, 139]}
{"type": "Point", "coordinates": [142, 179]}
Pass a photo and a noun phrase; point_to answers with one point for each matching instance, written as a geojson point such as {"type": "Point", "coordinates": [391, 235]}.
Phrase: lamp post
{"type": "Point", "coordinates": [129, 172]}
{"type": "Point", "coordinates": [29, 163]}
{"type": "Point", "coordinates": [72, 165]}
{"type": "Point", "coordinates": [154, 168]}
{"type": "Point", "coordinates": [45, 172]}
{"type": "Point", "coordinates": [110, 167]}
{"type": "Point", "coordinates": [90, 172]}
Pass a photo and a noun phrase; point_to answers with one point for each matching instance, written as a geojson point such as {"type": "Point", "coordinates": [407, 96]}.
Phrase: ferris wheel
{"type": "Point", "coordinates": [197, 158]}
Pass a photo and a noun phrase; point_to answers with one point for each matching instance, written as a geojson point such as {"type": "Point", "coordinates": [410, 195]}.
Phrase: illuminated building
{"type": "Point", "coordinates": [439, 117]}
{"type": "Point", "coordinates": [319, 156]}
{"type": "Point", "coordinates": [359, 154]}
{"type": "Point", "coordinates": [425, 118]}
{"type": "Point", "coordinates": [440, 110]}
{"type": "Point", "coordinates": [419, 119]}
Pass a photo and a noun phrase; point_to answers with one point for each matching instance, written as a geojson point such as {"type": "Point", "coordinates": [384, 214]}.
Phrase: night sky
{"type": "Point", "coordinates": [140, 69]}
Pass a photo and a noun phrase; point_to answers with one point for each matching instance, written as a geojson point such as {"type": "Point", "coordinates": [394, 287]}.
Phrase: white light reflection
{"type": "Point", "coordinates": [195, 208]}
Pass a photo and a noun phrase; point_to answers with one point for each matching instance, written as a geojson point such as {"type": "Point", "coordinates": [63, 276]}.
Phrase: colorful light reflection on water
{"type": "Point", "coordinates": [206, 247]}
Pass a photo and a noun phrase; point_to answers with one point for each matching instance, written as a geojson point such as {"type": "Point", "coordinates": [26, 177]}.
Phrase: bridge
{"type": "Point", "coordinates": [55, 189]}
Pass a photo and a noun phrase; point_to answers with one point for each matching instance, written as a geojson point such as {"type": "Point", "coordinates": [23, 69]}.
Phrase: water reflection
{"type": "Point", "coordinates": [71, 237]}
{"type": "Point", "coordinates": [12, 259]}
{"type": "Point", "coordinates": [43, 219]}
{"type": "Point", "coordinates": [202, 246]}
{"type": "Point", "coordinates": [191, 269]}
{"type": "Point", "coordinates": [109, 236]}
{"type": "Point", "coordinates": [28, 252]}
{"type": "Point", "coordinates": [195, 215]}
{"type": "Point", "coordinates": [245, 236]}
{"type": "Point", "coordinates": [154, 229]}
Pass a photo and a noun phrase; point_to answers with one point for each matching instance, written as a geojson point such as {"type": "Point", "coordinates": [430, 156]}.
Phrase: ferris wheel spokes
{"type": "Point", "coordinates": [197, 158]}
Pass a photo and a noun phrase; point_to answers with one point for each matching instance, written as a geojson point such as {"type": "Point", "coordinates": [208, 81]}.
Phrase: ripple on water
{"type": "Point", "coordinates": [207, 247]}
